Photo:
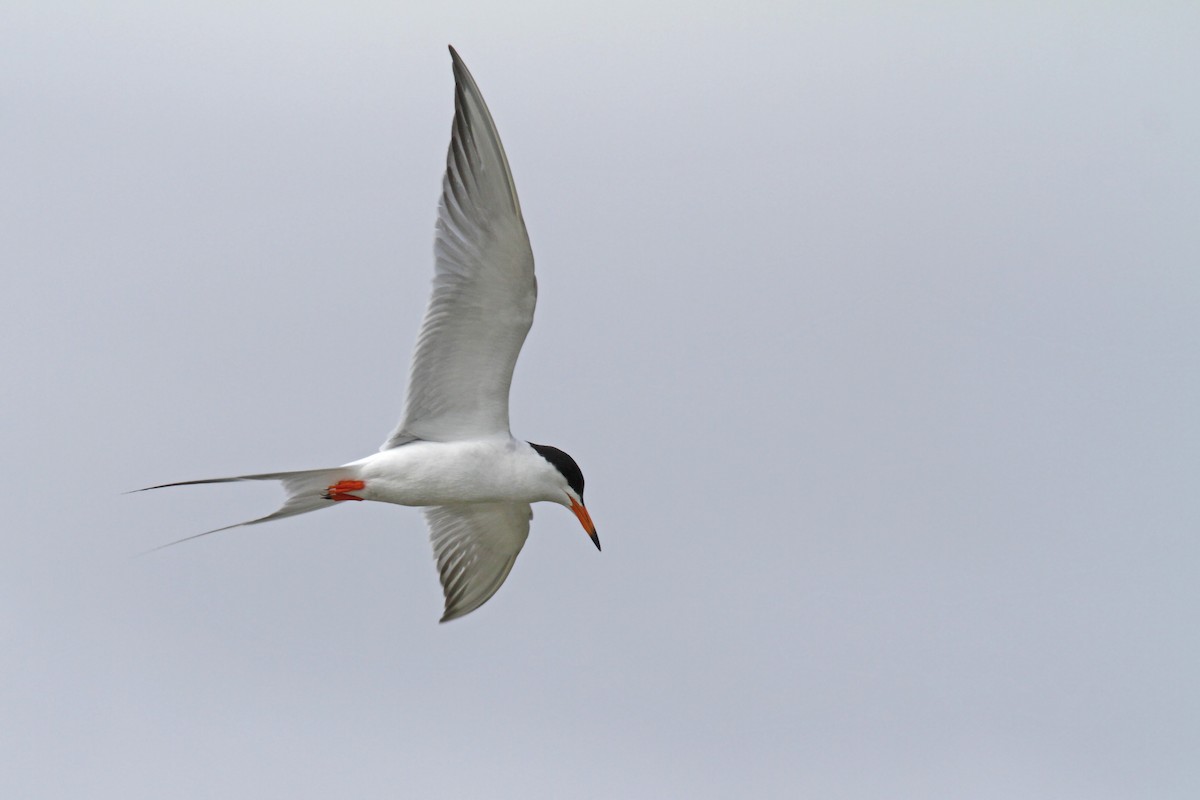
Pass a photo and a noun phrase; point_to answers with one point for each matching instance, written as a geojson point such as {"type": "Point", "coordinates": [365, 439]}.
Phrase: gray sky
{"type": "Point", "coordinates": [874, 331]}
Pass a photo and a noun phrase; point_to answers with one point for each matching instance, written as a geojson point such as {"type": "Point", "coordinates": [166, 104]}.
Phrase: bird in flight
{"type": "Point", "coordinates": [453, 453]}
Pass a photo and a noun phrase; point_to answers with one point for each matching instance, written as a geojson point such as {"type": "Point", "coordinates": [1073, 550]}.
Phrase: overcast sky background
{"type": "Point", "coordinates": [874, 330]}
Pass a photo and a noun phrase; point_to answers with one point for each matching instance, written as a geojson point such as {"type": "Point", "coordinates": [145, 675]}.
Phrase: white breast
{"type": "Point", "coordinates": [445, 473]}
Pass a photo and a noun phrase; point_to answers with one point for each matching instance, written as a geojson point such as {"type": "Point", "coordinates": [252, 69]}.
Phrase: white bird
{"type": "Point", "coordinates": [452, 452]}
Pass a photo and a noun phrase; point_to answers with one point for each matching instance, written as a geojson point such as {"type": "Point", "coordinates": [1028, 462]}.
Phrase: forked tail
{"type": "Point", "coordinates": [307, 490]}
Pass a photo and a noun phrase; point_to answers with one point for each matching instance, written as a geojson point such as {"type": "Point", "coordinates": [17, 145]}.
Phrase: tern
{"type": "Point", "coordinates": [453, 453]}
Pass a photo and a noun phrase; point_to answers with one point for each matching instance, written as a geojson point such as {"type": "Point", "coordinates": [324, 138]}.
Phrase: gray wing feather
{"type": "Point", "coordinates": [475, 546]}
{"type": "Point", "coordinates": [484, 290]}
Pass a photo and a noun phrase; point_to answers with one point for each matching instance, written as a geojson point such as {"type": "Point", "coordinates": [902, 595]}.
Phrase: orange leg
{"type": "Point", "coordinates": [341, 490]}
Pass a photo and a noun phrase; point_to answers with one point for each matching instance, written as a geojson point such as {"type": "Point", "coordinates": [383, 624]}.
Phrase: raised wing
{"type": "Point", "coordinates": [484, 290]}
{"type": "Point", "coordinates": [475, 546]}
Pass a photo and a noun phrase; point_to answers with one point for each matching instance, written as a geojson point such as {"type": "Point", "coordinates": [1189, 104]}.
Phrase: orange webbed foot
{"type": "Point", "coordinates": [341, 490]}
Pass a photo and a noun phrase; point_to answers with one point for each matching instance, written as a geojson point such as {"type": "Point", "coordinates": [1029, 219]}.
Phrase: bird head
{"type": "Point", "coordinates": [572, 486]}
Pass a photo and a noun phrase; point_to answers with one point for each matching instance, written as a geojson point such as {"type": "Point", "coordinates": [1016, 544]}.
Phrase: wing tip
{"type": "Point", "coordinates": [454, 610]}
{"type": "Point", "coordinates": [456, 61]}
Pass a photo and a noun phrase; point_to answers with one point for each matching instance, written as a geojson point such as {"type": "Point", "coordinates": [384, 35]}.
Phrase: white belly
{"type": "Point", "coordinates": [444, 473]}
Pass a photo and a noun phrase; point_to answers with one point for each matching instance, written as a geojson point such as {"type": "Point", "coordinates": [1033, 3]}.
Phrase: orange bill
{"type": "Point", "coordinates": [585, 519]}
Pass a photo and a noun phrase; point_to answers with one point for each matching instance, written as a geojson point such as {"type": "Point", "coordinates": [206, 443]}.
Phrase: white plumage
{"type": "Point", "coordinates": [452, 452]}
